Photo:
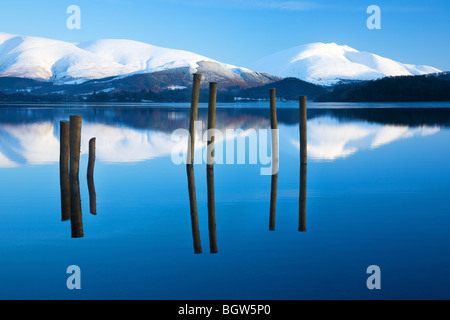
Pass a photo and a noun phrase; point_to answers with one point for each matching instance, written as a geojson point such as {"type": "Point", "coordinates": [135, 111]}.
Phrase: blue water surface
{"type": "Point", "coordinates": [378, 187]}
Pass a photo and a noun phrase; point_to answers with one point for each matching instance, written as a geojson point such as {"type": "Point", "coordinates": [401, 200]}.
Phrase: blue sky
{"type": "Point", "coordinates": [241, 31]}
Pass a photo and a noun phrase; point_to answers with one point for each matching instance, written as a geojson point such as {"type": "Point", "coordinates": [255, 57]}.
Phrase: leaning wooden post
{"type": "Point", "coordinates": [64, 142]}
{"type": "Point", "coordinates": [76, 221]}
{"type": "Point", "coordinates": [275, 160]}
{"type": "Point", "coordinates": [210, 167]}
{"type": "Point", "coordinates": [190, 164]}
{"type": "Point", "coordinates": [90, 177]}
{"type": "Point", "coordinates": [303, 164]}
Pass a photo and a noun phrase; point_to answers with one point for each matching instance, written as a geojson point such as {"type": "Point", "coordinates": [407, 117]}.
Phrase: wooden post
{"type": "Point", "coordinates": [190, 164]}
{"type": "Point", "coordinates": [90, 177]}
{"type": "Point", "coordinates": [64, 169]}
{"type": "Point", "coordinates": [193, 118]}
{"type": "Point", "coordinates": [91, 162]}
{"type": "Point", "coordinates": [303, 140]}
{"type": "Point", "coordinates": [275, 160]}
{"type": "Point", "coordinates": [303, 164]}
{"type": "Point", "coordinates": [76, 221]}
{"type": "Point", "coordinates": [210, 167]}
{"type": "Point", "coordinates": [75, 144]}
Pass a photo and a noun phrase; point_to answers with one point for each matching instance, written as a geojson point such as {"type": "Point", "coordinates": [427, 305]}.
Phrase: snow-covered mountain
{"type": "Point", "coordinates": [328, 63]}
{"type": "Point", "coordinates": [74, 63]}
{"type": "Point", "coordinates": [64, 62]}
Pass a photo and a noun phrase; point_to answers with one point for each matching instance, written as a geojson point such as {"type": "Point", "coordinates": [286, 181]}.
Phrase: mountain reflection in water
{"type": "Point", "coordinates": [31, 136]}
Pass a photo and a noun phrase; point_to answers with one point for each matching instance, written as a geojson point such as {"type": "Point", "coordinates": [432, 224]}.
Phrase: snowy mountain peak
{"type": "Point", "coordinates": [59, 61]}
{"type": "Point", "coordinates": [64, 62]}
{"type": "Point", "coordinates": [328, 63]}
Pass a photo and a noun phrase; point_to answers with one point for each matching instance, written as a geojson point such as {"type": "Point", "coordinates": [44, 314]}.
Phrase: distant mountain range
{"type": "Point", "coordinates": [39, 69]}
{"type": "Point", "coordinates": [329, 63]}
{"type": "Point", "coordinates": [65, 63]}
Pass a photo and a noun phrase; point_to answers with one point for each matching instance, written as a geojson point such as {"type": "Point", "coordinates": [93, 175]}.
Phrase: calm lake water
{"type": "Point", "coordinates": [378, 188]}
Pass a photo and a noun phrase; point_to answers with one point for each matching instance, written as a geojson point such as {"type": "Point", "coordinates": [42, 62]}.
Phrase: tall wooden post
{"type": "Point", "coordinates": [275, 159]}
{"type": "Point", "coordinates": [303, 140]}
{"type": "Point", "coordinates": [303, 164]}
{"type": "Point", "coordinates": [193, 117]}
{"type": "Point", "coordinates": [64, 141]}
{"type": "Point", "coordinates": [90, 177]}
{"type": "Point", "coordinates": [210, 167]}
{"type": "Point", "coordinates": [76, 220]}
{"type": "Point", "coordinates": [190, 164]}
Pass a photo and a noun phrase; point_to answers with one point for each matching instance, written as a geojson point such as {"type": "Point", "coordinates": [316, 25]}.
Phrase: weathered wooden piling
{"type": "Point", "coordinates": [303, 140]}
{"type": "Point", "coordinates": [303, 164]}
{"type": "Point", "coordinates": [90, 177]}
{"type": "Point", "coordinates": [193, 117]}
{"type": "Point", "coordinates": [76, 221]}
{"type": "Point", "coordinates": [75, 144]}
{"type": "Point", "coordinates": [64, 142]}
{"type": "Point", "coordinates": [190, 164]}
{"type": "Point", "coordinates": [91, 161]}
{"type": "Point", "coordinates": [275, 159]}
{"type": "Point", "coordinates": [210, 167]}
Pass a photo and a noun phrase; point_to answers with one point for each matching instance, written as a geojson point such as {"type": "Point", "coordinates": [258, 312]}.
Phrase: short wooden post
{"type": "Point", "coordinates": [210, 167]}
{"type": "Point", "coordinates": [64, 142]}
{"type": "Point", "coordinates": [90, 177]}
{"type": "Point", "coordinates": [190, 164]}
{"type": "Point", "coordinates": [91, 162]}
{"type": "Point", "coordinates": [76, 220]}
{"type": "Point", "coordinates": [275, 159]}
{"type": "Point", "coordinates": [303, 164]}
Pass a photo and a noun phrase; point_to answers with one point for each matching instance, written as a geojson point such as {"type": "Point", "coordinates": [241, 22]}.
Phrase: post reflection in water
{"type": "Point", "coordinates": [302, 199]}
{"type": "Point", "coordinates": [274, 182]}
{"type": "Point", "coordinates": [76, 221]}
{"type": "Point", "coordinates": [64, 170]}
{"type": "Point", "coordinates": [193, 208]}
{"type": "Point", "coordinates": [90, 177]}
{"type": "Point", "coordinates": [210, 168]}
